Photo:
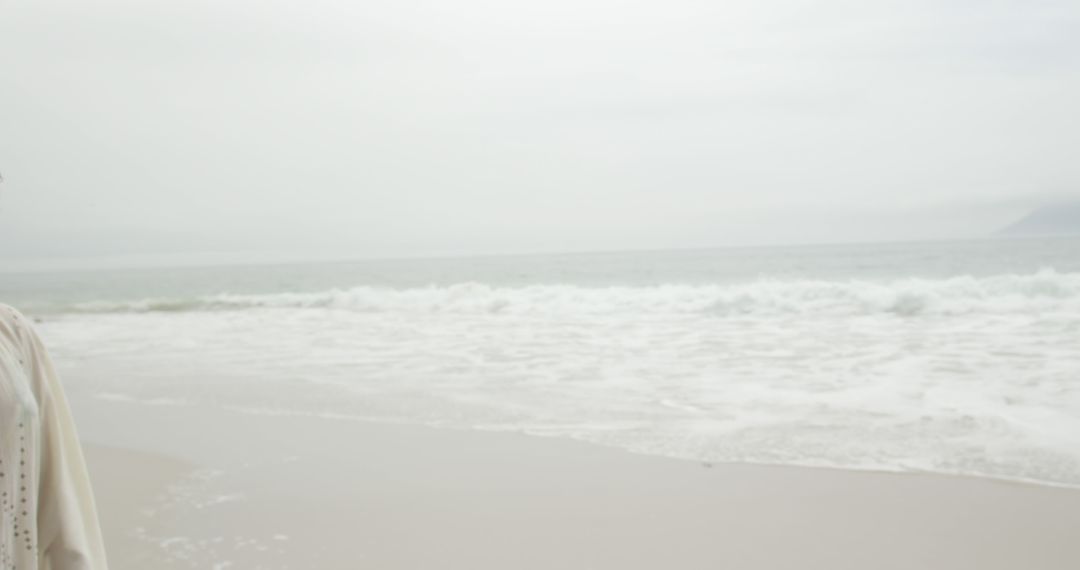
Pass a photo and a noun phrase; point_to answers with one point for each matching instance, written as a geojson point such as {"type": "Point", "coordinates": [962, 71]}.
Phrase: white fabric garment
{"type": "Point", "coordinates": [48, 518]}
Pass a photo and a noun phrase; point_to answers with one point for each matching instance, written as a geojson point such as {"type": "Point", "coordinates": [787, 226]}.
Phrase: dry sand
{"type": "Point", "coordinates": [183, 487]}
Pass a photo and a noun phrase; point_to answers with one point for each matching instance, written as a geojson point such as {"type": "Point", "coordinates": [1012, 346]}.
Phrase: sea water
{"type": "Point", "coordinates": [952, 357]}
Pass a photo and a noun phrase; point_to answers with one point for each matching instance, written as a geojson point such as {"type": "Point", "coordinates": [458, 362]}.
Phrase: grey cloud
{"type": "Point", "coordinates": [411, 127]}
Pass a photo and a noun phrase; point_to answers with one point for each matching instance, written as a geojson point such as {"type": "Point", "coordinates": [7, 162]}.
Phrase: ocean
{"type": "Point", "coordinates": [958, 357]}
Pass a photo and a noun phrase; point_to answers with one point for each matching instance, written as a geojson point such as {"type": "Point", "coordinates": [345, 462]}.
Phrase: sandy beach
{"type": "Point", "coordinates": [186, 487]}
{"type": "Point", "coordinates": [688, 285]}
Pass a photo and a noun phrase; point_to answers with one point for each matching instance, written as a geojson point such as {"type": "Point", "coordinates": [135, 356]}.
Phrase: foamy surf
{"type": "Point", "coordinates": [961, 375]}
{"type": "Point", "coordinates": [1046, 289]}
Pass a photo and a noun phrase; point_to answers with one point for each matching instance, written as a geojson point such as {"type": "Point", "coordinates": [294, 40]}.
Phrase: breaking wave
{"type": "Point", "coordinates": [1041, 291]}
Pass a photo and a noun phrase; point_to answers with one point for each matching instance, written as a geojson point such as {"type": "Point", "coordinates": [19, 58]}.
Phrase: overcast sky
{"type": "Point", "coordinates": [400, 128]}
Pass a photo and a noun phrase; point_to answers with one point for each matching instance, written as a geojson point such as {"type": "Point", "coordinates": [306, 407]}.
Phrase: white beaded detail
{"type": "Point", "coordinates": [18, 478]}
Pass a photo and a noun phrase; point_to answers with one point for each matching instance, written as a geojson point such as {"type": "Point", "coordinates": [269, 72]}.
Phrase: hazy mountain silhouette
{"type": "Point", "coordinates": [1052, 219]}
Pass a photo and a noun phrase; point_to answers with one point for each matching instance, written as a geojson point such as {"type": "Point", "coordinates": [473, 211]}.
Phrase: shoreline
{"type": "Point", "coordinates": [710, 463]}
{"type": "Point", "coordinates": [238, 490]}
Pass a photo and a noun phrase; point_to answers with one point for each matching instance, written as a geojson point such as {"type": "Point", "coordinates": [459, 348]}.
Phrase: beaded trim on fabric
{"type": "Point", "coordinates": [16, 505]}
{"type": "Point", "coordinates": [18, 455]}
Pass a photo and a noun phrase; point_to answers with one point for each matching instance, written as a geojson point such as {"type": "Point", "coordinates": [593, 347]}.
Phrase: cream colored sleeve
{"type": "Point", "coordinates": [69, 533]}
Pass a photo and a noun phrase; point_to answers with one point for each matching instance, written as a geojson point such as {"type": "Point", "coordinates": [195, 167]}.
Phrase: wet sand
{"type": "Point", "coordinates": [186, 487]}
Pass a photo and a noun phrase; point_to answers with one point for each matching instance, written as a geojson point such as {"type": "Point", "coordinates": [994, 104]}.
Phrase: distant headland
{"type": "Point", "coordinates": [1062, 218]}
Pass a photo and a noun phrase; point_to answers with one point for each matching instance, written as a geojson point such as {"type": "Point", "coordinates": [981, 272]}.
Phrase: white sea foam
{"type": "Point", "coordinates": [1046, 289]}
{"type": "Point", "coordinates": [971, 375]}
{"type": "Point", "coordinates": [114, 397]}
